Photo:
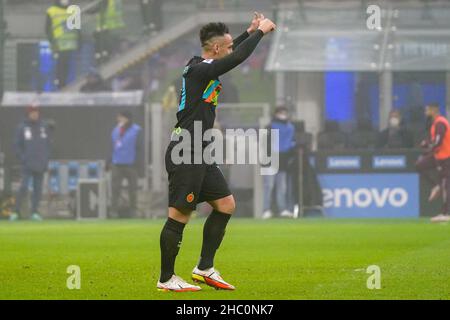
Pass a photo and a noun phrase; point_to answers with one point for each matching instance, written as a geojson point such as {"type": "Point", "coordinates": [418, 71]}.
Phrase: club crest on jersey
{"type": "Point", "coordinates": [190, 197]}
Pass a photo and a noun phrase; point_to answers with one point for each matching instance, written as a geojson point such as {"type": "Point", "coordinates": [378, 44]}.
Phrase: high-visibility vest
{"type": "Point", "coordinates": [64, 39]}
{"type": "Point", "coordinates": [112, 17]}
{"type": "Point", "coordinates": [443, 151]}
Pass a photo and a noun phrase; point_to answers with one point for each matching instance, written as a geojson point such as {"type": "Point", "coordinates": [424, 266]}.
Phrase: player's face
{"type": "Point", "coordinates": [224, 46]}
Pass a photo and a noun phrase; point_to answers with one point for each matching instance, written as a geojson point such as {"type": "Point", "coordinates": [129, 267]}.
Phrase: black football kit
{"type": "Point", "coordinates": [189, 183]}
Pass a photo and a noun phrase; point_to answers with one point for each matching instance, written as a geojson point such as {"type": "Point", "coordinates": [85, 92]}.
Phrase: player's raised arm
{"type": "Point", "coordinates": [213, 68]}
{"type": "Point", "coordinates": [257, 18]}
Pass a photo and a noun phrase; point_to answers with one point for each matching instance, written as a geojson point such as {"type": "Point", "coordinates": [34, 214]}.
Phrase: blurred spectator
{"type": "Point", "coordinates": [364, 136]}
{"type": "Point", "coordinates": [64, 42]}
{"type": "Point", "coordinates": [32, 145]}
{"type": "Point", "coordinates": [418, 126]}
{"type": "Point", "coordinates": [126, 158]}
{"type": "Point", "coordinates": [109, 21]}
{"type": "Point", "coordinates": [129, 80]}
{"type": "Point", "coordinates": [304, 139]}
{"type": "Point", "coordinates": [94, 83]}
{"type": "Point", "coordinates": [279, 181]}
{"type": "Point", "coordinates": [396, 134]}
{"type": "Point", "coordinates": [310, 189]}
{"type": "Point", "coordinates": [151, 15]}
{"type": "Point", "coordinates": [331, 138]}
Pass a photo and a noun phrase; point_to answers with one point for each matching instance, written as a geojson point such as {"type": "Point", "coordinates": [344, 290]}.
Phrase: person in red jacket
{"type": "Point", "coordinates": [437, 158]}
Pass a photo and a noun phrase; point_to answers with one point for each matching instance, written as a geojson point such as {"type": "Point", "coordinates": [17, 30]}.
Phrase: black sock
{"type": "Point", "coordinates": [170, 242]}
{"type": "Point", "coordinates": [213, 232]}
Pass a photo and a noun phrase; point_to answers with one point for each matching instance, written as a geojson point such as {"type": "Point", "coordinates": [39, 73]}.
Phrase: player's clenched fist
{"type": "Point", "coordinates": [257, 18]}
{"type": "Point", "coordinates": [267, 26]}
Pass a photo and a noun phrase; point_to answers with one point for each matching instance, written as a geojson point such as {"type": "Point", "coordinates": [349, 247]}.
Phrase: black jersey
{"type": "Point", "coordinates": [201, 84]}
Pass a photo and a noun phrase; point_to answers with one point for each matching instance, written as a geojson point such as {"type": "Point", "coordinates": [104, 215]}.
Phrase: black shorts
{"type": "Point", "coordinates": [190, 184]}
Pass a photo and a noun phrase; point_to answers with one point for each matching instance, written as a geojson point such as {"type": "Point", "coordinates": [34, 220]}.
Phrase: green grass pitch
{"type": "Point", "coordinates": [278, 259]}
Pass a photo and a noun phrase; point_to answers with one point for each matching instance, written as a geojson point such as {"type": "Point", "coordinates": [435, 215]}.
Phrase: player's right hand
{"type": "Point", "coordinates": [267, 26]}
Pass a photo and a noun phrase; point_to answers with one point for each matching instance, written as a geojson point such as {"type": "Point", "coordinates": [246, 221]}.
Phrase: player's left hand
{"type": "Point", "coordinates": [257, 18]}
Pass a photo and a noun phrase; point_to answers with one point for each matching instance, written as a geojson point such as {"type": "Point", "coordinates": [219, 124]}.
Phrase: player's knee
{"type": "Point", "coordinates": [227, 205]}
{"type": "Point", "coordinates": [180, 215]}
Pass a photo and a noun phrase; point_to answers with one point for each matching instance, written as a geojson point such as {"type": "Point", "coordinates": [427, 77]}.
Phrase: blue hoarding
{"type": "Point", "coordinates": [370, 195]}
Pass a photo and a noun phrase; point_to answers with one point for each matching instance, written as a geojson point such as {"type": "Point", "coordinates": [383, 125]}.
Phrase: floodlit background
{"type": "Point", "coordinates": [353, 78]}
{"type": "Point", "coordinates": [338, 74]}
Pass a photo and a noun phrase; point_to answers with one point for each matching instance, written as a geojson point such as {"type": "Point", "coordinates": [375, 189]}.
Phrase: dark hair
{"type": "Point", "coordinates": [211, 30]}
{"type": "Point", "coordinates": [126, 113]}
{"type": "Point", "coordinates": [281, 109]}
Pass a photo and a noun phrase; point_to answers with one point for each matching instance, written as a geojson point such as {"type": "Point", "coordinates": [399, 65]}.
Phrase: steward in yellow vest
{"type": "Point", "coordinates": [64, 41]}
{"type": "Point", "coordinates": [60, 37]}
{"type": "Point", "coordinates": [110, 16]}
{"type": "Point", "coordinates": [109, 20]}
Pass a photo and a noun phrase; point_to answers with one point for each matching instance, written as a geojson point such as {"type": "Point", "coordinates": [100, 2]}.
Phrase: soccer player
{"type": "Point", "coordinates": [437, 157]}
{"type": "Point", "coordinates": [190, 184]}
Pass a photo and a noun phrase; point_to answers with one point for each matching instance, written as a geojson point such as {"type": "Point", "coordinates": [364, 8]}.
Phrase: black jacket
{"type": "Point", "coordinates": [32, 145]}
{"type": "Point", "coordinates": [395, 138]}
